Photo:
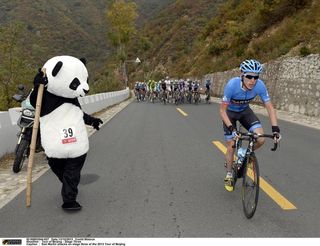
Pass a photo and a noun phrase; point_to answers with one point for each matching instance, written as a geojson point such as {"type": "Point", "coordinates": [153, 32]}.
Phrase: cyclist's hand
{"type": "Point", "coordinates": [235, 135]}
{"type": "Point", "coordinates": [276, 133]}
{"type": "Point", "coordinates": [233, 132]}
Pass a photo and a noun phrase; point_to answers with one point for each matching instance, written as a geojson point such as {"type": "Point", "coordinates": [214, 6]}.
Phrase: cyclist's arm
{"type": "Point", "coordinates": [227, 95]}
{"type": "Point", "coordinates": [271, 113]}
{"type": "Point", "coordinates": [223, 113]}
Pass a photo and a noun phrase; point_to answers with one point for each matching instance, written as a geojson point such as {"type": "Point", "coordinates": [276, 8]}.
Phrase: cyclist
{"type": "Point", "coordinates": [208, 85]}
{"type": "Point", "coordinates": [168, 86]}
{"type": "Point", "coordinates": [182, 86]}
{"type": "Point", "coordinates": [163, 85]}
{"type": "Point", "coordinates": [238, 93]}
{"type": "Point", "coordinates": [143, 90]}
{"type": "Point", "coordinates": [137, 90]}
{"type": "Point", "coordinates": [196, 88]}
{"type": "Point", "coordinates": [158, 88]}
{"type": "Point", "coordinates": [148, 88]}
{"type": "Point", "coordinates": [164, 89]}
{"type": "Point", "coordinates": [152, 88]}
{"type": "Point", "coordinates": [189, 90]}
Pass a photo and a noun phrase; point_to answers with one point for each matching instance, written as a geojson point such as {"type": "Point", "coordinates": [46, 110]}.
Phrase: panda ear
{"type": "Point", "coordinates": [57, 68]}
{"type": "Point", "coordinates": [83, 60]}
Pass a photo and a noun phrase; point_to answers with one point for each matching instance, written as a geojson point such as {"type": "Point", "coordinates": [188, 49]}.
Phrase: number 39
{"type": "Point", "coordinates": [67, 133]}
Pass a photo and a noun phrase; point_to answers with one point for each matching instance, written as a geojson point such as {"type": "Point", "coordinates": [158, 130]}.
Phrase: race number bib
{"type": "Point", "coordinates": [68, 135]}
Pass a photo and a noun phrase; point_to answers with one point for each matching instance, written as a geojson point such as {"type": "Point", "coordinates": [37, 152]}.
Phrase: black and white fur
{"type": "Point", "coordinates": [62, 122]}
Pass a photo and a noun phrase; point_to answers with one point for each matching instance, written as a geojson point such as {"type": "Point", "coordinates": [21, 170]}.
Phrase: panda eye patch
{"type": "Point", "coordinates": [74, 84]}
{"type": "Point", "coordinates": [56, 68]}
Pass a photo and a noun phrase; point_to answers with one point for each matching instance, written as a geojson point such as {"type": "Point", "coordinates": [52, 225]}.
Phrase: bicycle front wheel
{"type": "Point", "coordinates": [250, 186]}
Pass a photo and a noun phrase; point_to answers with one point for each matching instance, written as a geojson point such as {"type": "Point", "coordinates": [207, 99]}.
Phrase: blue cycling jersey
{"type": "Point", "coordinates": [239, 98]}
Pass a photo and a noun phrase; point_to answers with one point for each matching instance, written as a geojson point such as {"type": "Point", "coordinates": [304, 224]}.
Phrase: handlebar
{"type": "Point", "coordinates": [18, 97]}
{"type": "Point", "coordinates": [250, 136]}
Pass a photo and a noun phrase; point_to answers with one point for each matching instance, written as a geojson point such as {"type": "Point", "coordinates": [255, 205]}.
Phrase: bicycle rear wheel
{"type": "Point", "coordinates": [250, 186]}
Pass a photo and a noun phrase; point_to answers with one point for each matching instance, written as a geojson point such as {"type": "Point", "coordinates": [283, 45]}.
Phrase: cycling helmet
{"type": "Point", "coordinates": [251, 66]}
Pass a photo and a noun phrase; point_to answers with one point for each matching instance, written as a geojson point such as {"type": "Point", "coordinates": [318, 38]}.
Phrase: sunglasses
{"type": "Point", "coordinates": [248, 76]}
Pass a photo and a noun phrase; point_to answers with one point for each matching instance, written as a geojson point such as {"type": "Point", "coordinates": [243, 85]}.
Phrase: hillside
{"type": "Point", "coordinates": [174, 37]}
{"type": "Point", "coordinates": [170, 36]}
{"type": "Point", "coordinates": [59, 27]}
{"type": "Point", "coordinates": [148, 9]}
{"type": "Point", "coordinates": [32, 31]}
{"type": "Point", "coordinates": [74, 27]}
{"type": "Point", "coordinates": [192, 38]}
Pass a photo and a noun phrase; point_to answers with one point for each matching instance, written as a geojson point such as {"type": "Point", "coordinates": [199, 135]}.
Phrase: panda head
{"type": "Point", "coordinates": [67, 76]}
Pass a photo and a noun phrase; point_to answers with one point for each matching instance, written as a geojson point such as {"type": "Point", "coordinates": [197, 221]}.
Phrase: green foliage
{"type": "Point", "coordinates": [108, 80]}
{"type": "Point", "coordinates": [216, 49]}
{"type": "Point", "coordinates": [14, 68]}
{"type": "Point", "coordinates": [121, 17]}
{"type": "Point", "coordinates": [144, 44]}
{"type": "Point", "coordinates": [240, 52]}
{"type": "Point", "coordinates": [304, 51]}
{"type": "Point", "coordinates": [236, 30]}
{"type": "Point", "coordinates": [51, 28]}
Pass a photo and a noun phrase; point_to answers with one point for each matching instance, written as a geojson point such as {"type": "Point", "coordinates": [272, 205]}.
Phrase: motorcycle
{"type": "Point", "coordinates": [25, 122]}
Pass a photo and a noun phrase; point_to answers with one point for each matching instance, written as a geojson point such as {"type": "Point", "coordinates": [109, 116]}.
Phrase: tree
{"type": "Point", "coordinates": [121, 17]}
{"type": "Point", "coordinates": [13, 64]}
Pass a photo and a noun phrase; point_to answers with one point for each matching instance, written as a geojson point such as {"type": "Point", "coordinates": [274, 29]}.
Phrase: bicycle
{"type": "Point", "coordinates": [196, 97]}
{"type": "Point", "coordinates": [152, 96]}
{"type": "Point", "coordinates": [189, 96]}
{"type": "Point", "coordinates": [248, 170]}
{"type": "Point", "coordinates": [164, 97]}
{"type": "Point", "coordinates": [176, 97]}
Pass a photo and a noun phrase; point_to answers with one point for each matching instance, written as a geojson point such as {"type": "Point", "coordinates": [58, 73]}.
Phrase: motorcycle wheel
{"type": "Point", "coordinates": [21, 154]}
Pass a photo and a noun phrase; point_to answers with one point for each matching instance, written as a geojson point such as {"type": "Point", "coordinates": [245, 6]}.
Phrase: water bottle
{"type": "Point", "coordinates": [241, 155]}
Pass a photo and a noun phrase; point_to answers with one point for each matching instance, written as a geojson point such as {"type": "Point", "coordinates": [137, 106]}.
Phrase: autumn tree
{"type": "Point", "coordinates": [121, 17]}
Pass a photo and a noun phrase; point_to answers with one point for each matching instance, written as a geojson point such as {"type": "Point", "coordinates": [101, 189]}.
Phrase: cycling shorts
{"type": "Point", "coordinates": [247, 119]}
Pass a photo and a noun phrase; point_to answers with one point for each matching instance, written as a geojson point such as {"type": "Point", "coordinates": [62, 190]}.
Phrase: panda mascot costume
{"type": "Point", "coordinates": [62, 121]}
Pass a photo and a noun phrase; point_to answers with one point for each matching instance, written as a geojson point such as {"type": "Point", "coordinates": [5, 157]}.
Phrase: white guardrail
{"type": "Point", "coordinates": [90, 104]}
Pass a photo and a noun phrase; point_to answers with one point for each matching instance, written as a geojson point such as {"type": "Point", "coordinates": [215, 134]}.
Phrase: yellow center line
{"type": "Point", "coordinates": [182, 112]}
{"type": "Point", "coordinates": [267, 188]}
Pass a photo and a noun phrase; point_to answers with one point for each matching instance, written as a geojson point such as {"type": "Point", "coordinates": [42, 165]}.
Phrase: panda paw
{"type": "Point", "coordinates": [96, 123]}
{"type": "Point", "coordinates": [40, 78]}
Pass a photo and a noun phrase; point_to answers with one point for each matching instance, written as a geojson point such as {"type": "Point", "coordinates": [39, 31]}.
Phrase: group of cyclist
{"type": "Point", "coordinates": [238, 93]}
{"type": "Point", "coordinates": [171, 90]}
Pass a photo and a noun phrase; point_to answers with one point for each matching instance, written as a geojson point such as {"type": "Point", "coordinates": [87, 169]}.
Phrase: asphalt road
{"type": "Point", "coordinates": [153, 172]}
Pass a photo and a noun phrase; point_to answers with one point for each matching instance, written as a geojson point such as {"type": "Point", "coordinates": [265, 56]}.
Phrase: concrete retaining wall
{"type": "Point", "coordinates": [8, 139]}
{"type": "Point", "coordinates": [293, 83]}
{"type": "Point", "coordinates": [90, 104]}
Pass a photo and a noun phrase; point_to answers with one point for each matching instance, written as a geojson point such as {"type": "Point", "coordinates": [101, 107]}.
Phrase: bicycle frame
{"type": "Point", "coordinates": [248, 169]}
